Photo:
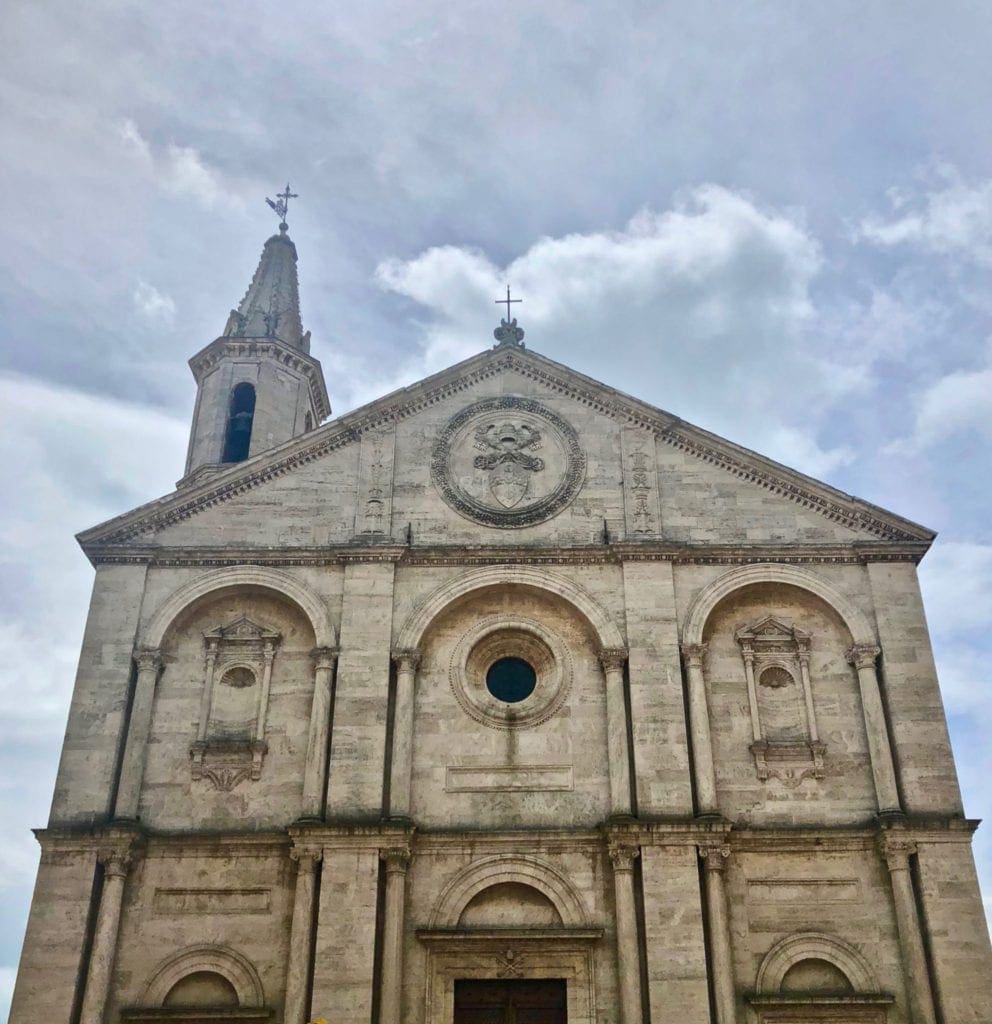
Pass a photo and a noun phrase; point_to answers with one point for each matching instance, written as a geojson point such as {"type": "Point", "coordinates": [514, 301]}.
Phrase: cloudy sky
{"type": "Point", "coordinates": [773, 219]}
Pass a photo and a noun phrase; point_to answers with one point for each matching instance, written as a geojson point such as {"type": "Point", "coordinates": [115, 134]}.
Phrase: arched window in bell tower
{"type": "Point", "coordinates": [239, 421]}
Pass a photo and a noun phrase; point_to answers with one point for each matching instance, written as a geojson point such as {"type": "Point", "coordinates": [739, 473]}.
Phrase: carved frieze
{"type": "Point", "coordinates": [508, 462]}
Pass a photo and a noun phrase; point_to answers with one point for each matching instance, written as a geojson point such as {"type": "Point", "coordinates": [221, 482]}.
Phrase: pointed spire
{"type": "Point", "coordinates": [271, 306]}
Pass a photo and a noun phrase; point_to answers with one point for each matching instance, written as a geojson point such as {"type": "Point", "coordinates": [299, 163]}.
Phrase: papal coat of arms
{"type": "Point", "coordinates": [506, 455]}
{"type": "Point", "coordinates": [487, 467]}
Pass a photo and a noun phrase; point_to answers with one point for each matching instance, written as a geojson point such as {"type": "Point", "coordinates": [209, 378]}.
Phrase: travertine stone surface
{"type": "Point", "coordinates": [673, 932]}
{"type": "Point", "coordinates": [53, 946]}
{"type": "Point", "coordinates": [654, 577]}
{"type": "Point", "coordinates": [83, 787]}
{"type": "Point", "coordinates": [358, 739]}
{"type": "Point", "coordinates": [656, 698]}
{"type": "Point", "coordinates": [909, 678]}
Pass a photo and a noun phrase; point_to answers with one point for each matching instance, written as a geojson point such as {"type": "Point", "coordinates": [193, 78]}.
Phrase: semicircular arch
{"type": "Point", "coordinates": [814, 946]}
{"type": "Point", "coordinates": [494, 870]}
{"type": "Point", "coordinates": [242, 576]}
{"type": "Point", "coordinates": [412, 631]}
{"type": "Point", "coordinates": [232, 966]}
{"type": "Point", "coordinates": [772, 572]}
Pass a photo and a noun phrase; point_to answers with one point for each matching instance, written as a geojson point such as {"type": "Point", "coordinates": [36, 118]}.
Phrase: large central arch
{"type": "Point", "coordinates": [607, 632]}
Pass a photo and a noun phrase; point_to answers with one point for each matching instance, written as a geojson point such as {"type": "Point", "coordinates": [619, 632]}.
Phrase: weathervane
{"type": "Point", "coordinates": [281, 205]}
{"type": "Point", "coordinates": [508, 333]}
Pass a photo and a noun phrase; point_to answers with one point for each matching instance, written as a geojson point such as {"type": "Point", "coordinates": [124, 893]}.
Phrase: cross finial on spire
{"type": "Point", "coordinates": [507, 302]}
{"type": "Point", "coordinates": [508, 333]}
{"type": "Point", "coordinates": [281, 205]}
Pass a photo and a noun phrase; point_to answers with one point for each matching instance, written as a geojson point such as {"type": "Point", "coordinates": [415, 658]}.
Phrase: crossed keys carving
{"type": "Point", "coordinates": [506, 451]}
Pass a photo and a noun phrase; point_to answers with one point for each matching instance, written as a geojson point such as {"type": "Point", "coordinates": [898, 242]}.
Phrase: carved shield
{"type": "Point", "coordinates": [508, 483]}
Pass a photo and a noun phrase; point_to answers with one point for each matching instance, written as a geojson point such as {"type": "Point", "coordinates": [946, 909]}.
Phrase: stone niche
{"type": "Point", "coordinates": [786, 743]}
{"type": "Point", "coordinates": [230, 745]}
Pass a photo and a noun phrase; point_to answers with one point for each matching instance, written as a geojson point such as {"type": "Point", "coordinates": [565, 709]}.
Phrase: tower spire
{"type": "Point", "coordinates": [257, 384]}
{"type": "Point", "coordinates": [271, 306]}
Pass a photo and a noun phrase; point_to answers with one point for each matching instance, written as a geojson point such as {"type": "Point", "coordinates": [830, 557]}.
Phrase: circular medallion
{"type": "Point", "coordinates": [508, 462]}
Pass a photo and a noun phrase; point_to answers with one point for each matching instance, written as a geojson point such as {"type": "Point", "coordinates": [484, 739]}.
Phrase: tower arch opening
{"type": "Point", "coordinates": [240, 418]}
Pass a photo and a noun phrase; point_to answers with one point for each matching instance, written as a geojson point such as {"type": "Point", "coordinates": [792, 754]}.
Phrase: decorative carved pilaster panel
{"type": "Point", "coordinates": [374, 512]}
{"type": "Point", "coordinates": [641, 500]}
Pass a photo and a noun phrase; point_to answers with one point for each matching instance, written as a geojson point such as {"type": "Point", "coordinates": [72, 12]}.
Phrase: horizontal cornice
{"type": "Point", "coordinates": [858, 553]}
{"type": "Point", "coordinates": [223, 348]}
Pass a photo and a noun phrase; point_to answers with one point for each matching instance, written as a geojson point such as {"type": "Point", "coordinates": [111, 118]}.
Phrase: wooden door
{"type": "Point", "coordinates": [510, 1002]}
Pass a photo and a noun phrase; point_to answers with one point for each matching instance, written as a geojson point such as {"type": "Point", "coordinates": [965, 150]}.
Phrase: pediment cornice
{"type": "Point", "coordinates": [399, 405]}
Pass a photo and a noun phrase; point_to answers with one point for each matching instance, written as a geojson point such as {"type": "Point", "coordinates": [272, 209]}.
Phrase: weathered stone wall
{"type": "Point", "coordinates": [588, 821]}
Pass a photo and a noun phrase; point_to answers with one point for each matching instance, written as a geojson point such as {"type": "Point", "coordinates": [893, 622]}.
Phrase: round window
{"type": "Point", "coordinates": [511, 680]}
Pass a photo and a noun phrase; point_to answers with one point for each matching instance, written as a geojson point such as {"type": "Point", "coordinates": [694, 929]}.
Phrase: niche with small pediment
{"type": "Point", "coordinates": [785, 743]}
{"type": "Point", "coordinates": [230, 745]}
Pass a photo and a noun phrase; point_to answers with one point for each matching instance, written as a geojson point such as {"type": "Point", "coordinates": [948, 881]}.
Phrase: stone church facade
{"type": "Point", "coordinates": [507, 697]}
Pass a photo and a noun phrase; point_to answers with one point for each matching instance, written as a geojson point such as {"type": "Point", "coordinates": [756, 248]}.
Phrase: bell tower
{"type": "Point", "coordinates": [257, 384]}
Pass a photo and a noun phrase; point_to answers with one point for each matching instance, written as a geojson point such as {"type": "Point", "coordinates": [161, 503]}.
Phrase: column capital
{"type": "Point", "coordinates": [307, 856]}
{"type": "Point", "coordinates": [863, 655]}
{"type": "Point", "coordinates": [613, 657]}
{"type": "Point", "coordinates": [623, 856]}
{"type": "Point", "coordinates": [396, 859]}
{"type": "Point", "coordinates": [324, 657]}
{"type": "Point", "coordinates": [407, 657]}
{"type": "Point", "coordinates": [715, 857]}
{"type": "Point", "coordinates": [896, 849]}
{"type": "Point", "coordinates": [115, 862]}
{"type": "Point", "coordinates": [148, 658]}
{"type": "Point", "coordinates": [694, 654]}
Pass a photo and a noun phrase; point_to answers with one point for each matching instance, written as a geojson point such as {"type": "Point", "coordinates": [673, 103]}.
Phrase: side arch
{"type": "Point", "coordinates": [607, 631]}
{"type": "Point", "coordinates": [238, 970]}
{"type": "Point", "coordinates": [772, 572]}
{"type": "Point", "coordinates": [494, 870]}
{"type": "Point", "coordinates": [814, 946]}
{"type": "Point", "coordinates": [237, 576]}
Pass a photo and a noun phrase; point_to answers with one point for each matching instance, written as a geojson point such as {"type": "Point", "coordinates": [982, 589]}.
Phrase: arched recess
{"type": "Point", "coordinates": [607, 632]}
{"type": "Point", "coordinates": [216, 959]}
{"type": "Point", "coordinates": [494, 870]}
{"type": "Point", "coordinates": [771, 572]}
{"type": "Point", "coordinates": [814, 946]}
{"type": "Point", "coordinates": [242, 576]}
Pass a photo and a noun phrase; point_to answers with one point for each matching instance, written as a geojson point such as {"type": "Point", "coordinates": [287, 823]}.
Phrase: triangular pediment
{"type": "Point", "coordinates": [771, 629]}
{"type": "Point", "coordinates": [514, 368]}
{"type": "Point", "coordinates": [242, 630]}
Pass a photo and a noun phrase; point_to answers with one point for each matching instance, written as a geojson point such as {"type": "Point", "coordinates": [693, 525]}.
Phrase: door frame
{"type": "Point", "coordinates": [511, 954]}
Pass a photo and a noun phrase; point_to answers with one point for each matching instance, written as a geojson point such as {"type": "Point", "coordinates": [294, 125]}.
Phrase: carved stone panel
{"type": "Point", "coordinates": [373, 514]}
{"type": "Point", "coordinates": [508, 462]}
{"type": "Point", "coordinates": [641, 500]}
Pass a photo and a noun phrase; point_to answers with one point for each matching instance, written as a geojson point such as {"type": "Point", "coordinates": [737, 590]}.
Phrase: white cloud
{"type": "Point", "coordinates": [953, 219]}
{"type": "Point", "coordinates": [181, 170]}
{"type": "Point", "coordinates": [153, 304]}
{"type": "Point", "coordinates": [957, 582]}
{"type": "Point", "coordinates": [710, 300]}
{"type": "Point", "coordinates": [959, 403]}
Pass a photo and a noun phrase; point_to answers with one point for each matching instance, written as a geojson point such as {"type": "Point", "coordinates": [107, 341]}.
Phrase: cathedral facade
{"type": "Point", "coordinates": [506, 697]}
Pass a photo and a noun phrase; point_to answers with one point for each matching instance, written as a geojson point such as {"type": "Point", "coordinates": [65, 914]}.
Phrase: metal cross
{"type": "Point", "coordinates": [508, 301]}
{"type": "Point", "coordinates": [281, 203]}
